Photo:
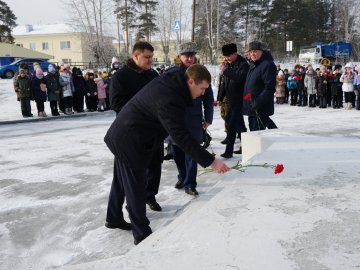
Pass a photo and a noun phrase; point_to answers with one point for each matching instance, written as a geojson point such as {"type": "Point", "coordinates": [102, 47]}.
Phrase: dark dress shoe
{"type": "Point", "coordinates": [238, 152]}
{"type": "Point", "coordinates": [226, 155]}
{"type": "Point", "coordinates": [123, 225]}
{"type": "Point", "coordinates": [154, 206]}
{"type": "Point", "coordinates": [224, 141]}
{"type": "Point", "coordinates": [191, 191]}
{"type": "Point", "coordinates": [179, 185]}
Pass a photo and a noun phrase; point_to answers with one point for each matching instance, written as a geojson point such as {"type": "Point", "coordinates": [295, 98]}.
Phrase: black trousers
{"type": "Point", "coordinates": [260, 123]}
{"type": "Point", "coordinates": [40, 105]}
{"type": "Point", "coordinates": [137, 188]}
{"type": "Point", "coordinates": [25, 106]}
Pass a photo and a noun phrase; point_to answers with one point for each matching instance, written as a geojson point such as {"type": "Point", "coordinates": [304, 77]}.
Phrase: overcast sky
{"type": "Point", "coordinates": [38, 11]}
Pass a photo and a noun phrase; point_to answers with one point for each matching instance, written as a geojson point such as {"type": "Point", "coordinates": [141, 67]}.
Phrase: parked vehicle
{"type": "Point", "coordinates": [331, 53]}
{"type": "Point", "coordinates": [8, 71]}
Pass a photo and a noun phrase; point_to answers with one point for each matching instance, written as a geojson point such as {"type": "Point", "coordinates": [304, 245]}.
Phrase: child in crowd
{"type": "Point", "coordinates": [280, 87]}
{"type": "Point", "coordinates": [292, 86]}
{"type": "Point", "coordinates": [38, 90]}
{"type": "Point", "coordinates": [22, 89]}
{"type": "Point", "coordinates": [321, 85]}
{"type": "Point", "coordinates": [347, 78]}
{"type": "Point", "coordinates": [309, 83]}
{"type": "Point", "coordinates": [336, 91]}
{"type": "Point", "coordinates": [357, 88]}
{"type": "Point", "coordinates": [67, 88]}
{"type": "Point", "coordinates": [91, 95]}
{"type": "Point", "coordinates": [53, 89]}
{"type": "Point", "coordinates": [101, 89]}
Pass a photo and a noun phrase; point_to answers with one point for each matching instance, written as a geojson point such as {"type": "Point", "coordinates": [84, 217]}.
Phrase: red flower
{"type": "Point", "coordinates": [216, 103]}
{"type": "Point", "coordinates": [247, 96]}
{"type": "Point", "coordinates": [279, 168]}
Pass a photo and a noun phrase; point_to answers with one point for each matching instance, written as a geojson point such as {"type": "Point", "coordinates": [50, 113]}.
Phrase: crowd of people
{"type": "Point", "coordinates": [67, 89]}
{"type": "Point", "coordinates": [323, 87]}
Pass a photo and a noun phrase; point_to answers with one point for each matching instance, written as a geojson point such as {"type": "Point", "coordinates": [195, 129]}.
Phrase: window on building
{"type": "Point", "coordinates": [64, 45]}
{"type": "Point", "coordinates": [66, 60]}
{"type": "Point", "coordinates": [45, 46]}
{"type": "Point", "coordinates": [155, 59]}
{"type": "Point", "coordinates": [20, 45]}
{"type": "Point", "coordinates": [32, 46]}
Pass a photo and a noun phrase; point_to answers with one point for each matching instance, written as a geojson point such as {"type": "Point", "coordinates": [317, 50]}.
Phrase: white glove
{"type": "Point", "coordinates": [88, 94]}
{"type": "Point", "coordinates": [95, 93]}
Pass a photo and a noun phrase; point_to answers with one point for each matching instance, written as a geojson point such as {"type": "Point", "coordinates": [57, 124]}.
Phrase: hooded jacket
{"type": "Point", "coordinates": [145, 121]}
{"type": "Point", "coordinates": [260, 83]}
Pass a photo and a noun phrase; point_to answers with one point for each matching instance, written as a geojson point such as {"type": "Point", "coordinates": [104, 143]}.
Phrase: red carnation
{"type": "Point", "coordinates": [216, 103]}
{"type": "Point", "coordinates": [247, 96]}
{"type": "Point", "coordinates": [279, 168]}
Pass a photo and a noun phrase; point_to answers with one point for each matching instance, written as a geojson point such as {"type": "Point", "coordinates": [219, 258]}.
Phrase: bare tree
{"type": "Point", "coordinates": [92, 18]}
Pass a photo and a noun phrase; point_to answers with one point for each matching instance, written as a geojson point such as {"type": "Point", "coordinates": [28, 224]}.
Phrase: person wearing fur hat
{"type": "Point", "coordinates": [347, 78]}
{"type": "Point", "coordinates": [197, 117]}
{"type": "Point", "coordinates": [53, 89]}
{"type": "Point", "coordinates": [234, 70]}
{"type": "Point", "coordinates": [22, 89]}
{"type": "Point", "coordinates": [38, 89]}
{"type": "Point", "coordinates": [260, 87]}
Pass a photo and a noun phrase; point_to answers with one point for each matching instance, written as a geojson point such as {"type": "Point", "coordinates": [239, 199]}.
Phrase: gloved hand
{"type": "Point", "coordinates": [95, 93]}
{"type": "Point", "coordinates": [88, 94]}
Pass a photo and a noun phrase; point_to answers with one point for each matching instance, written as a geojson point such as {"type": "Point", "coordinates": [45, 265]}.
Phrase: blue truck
{"type": "Point", "coordinates": [330, 53]}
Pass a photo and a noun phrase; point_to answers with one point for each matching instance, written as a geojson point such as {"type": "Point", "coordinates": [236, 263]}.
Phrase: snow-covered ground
{"type": "Point", "coordinates": [55, 178]}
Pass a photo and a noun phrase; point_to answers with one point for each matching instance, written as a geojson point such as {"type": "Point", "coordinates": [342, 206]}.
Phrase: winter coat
{"type": "Point", "coordinates": [348, 81]}
{"type": "Point", "coordinates": [144, 122]}
{"type": "Point", "coordinates": [80, 86]}
{"type": "Point", "coordinates": [53, 87]}
{"type": "Point", "coordinates": [194, 114]}
{"type": "Point", "coordinates": [292, 83]}
{"type": "Point", "coordinates": [65, 80]}
{"type": "Point", "coordinates": [336, 85]}
{"type": "Point", "coordinates": [260, 83]}
{"type": "Point", "coordinates": [22, 87]}
{"type": "Point", "coordinates": [309, 82]}
{"type": "Point", "coordinates": [100, 88]}
{"type": "Point", "coordinates": [321, 84]}
{"type": "Point", "coordinates": [126, 82]}
{"type": "Point", "coordinates": [91, 88]}
{"type": "Point", "coordinates": [280, 86]}
{"type": "Point", "coordinates": [233, 81]}
{"type": "Point", "coordinates": [36, 89]}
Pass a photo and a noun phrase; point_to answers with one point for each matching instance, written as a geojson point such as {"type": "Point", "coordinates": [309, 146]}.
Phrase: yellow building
{"type": "Point", "coordinates": [59, 40]}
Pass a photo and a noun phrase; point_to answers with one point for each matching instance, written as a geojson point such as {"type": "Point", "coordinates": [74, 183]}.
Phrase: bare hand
{"type": "Point", "coordinates": [219, 166]}
{"type": "Point", "coordinates": [206, 125]}
{"type": "Point", "coordinates": [222, 68]}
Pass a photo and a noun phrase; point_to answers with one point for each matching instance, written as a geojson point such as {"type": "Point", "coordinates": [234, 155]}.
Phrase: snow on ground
{"type": "Point", "coordinates": [56, 175]}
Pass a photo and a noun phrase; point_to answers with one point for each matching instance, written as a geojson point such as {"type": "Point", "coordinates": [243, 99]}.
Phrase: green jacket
{"type": "Point", "coordinates": [22, 87]}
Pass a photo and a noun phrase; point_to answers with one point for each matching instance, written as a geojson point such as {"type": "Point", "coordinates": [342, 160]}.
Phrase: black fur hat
{"type": "Point", "coordinates": [228, 49]}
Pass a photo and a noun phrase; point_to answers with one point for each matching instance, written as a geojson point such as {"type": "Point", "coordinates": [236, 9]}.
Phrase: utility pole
{"type": "Point", "coordinates": [193, 21]}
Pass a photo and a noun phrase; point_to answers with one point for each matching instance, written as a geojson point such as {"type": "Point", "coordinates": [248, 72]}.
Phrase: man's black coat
{"type": "Point", "coordinates": [153, 113]}
{"type": "Point", "coordinates": [126, 82]}
{"type": "Point", "coordinates": [233, 82]}
{"type": "Point", "coordinates": [260, 83]}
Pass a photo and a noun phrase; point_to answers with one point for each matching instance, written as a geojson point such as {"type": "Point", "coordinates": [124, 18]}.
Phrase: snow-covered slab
{"type": "Point", "coordinates": [304, 218]}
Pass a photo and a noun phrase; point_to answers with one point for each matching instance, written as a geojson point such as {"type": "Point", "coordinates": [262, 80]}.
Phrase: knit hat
{"type": "Point", "coordinates": [228, 49]}
{"type": "Point", "coordinates": [349, 65]}
{"type": "Point", "coordinates": [61, 63]}
{"type": "Point", "coordinates": [281, 73]}
{"type": "Point", "coordinates": [255, 45]}
{"type": "Point", "coordinates": [188, 48]}
{"type": "Point", "coordinates": [51, 68]}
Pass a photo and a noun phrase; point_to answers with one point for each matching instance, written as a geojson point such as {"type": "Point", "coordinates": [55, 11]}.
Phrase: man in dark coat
{"type": "Point", "coordinates": [260, 87]}
{"type": "Point", "coordinates": [126, 83]}
{"type": "Point", "coordinates": [144, 122]}
{"type": "Point", "coordinates": [234, 71]}
{"type": "Point", "coordinates": [186, 165]}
